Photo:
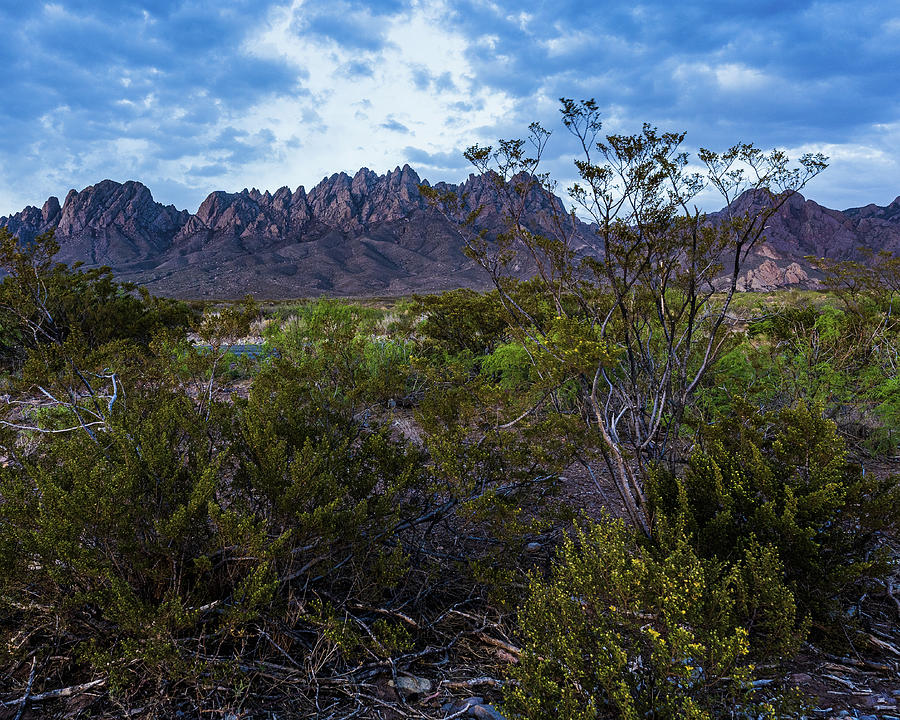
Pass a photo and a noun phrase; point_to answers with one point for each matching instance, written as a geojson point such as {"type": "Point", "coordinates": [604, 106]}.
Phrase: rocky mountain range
{"type": "Point", "coordinates": [368, 234]}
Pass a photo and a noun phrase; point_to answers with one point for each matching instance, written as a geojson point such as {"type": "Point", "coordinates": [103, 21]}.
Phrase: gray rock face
{"type": "Point", "coordinates": [891, 213]}
{"type": "Point", "coordinates": [105, 224]}
{"type": "Point", "coordinates": [803, 228]}
{"type": "Point", "coordinates": [373, 234]}
{"type": "Point", "coordinates": [769, 276]}
{"type": "Point", "coordinates": [33, 221]}
{"type": "Point", "coordinates": [352, 204]}
{"type": "Point", "coordinates": [116, 224]}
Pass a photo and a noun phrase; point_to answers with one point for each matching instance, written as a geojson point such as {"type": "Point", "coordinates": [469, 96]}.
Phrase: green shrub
{"type": "Point", "coordinates": [461, 320]}
{"type": "Point", "coordinates": [621, 631]}
{"type": "Point", "coordinates": [388, 368]}
{"type": "Point", "coordinates": [335, 341]}
{"type": "Point", "coordinates": [843, 359]}
{"type": "Point", "coordinates": [783, 482]}
{"type": "Point", "coordinates": [122, 543]}
{"type": "Point", "coordinates": [170, 545]}
{"type": "Point", "coordinates": [510, 365]}
{"type": "Point", "coordinates": [43, 303]}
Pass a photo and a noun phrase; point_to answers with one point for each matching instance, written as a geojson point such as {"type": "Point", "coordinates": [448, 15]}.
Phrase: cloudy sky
{"type": "Point", "coordinates": [189, 96]}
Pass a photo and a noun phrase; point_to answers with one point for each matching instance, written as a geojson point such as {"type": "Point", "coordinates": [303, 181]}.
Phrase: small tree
{"type": "Point", "coordinates": [650, 281]}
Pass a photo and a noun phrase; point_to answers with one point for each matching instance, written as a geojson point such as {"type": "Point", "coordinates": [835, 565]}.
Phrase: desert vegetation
{"type": "Point", "coordinates": [615, 489]}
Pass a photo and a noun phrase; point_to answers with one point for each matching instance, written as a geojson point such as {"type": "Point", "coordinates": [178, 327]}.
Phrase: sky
{"type": "Point", "coordinates": [191, 96]}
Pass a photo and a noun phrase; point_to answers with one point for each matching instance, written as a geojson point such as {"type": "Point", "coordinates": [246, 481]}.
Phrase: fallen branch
{"type": "Point", "coordinates": [843, 681]}
{"type": "Point", "coordinates": [474, 682]}
{"type": "Point", "coordinates": [391, 613]}
{"type": "Point", "coordinates": [883, 645]}
{"type": "Point", "coordinates": [511, 649]}
{"type": "Point", "coordinates": [860, 662]}
{"type": "Point", "coordinates": [27, 694]}
{"type": "Point", "coordinates": [889, 590]}
{"type": "Point", "coordinates": [60, 693]}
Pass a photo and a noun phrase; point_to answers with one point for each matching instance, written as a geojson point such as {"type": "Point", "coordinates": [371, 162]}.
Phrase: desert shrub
{"type": "Point", "coordinates": [619, 630]}
{"type": "Point", "coordinates": [175, 527]}
{"type": "Point", "coordinates": [400, 318]}
{"type": "Point", "coordinates": [841, 358]}
{"type": "Point", "coordinates": [810, 356]}
{"type": "Point", "coordinates": [336, 341]}
{"type": "Point", "coordinates": [885, 392]}
{"type": "Point", "coordinates": [11, 343]}
{"type": "Point", "coordinates": [43, 303]}
{"type": "Point", "coordinates": [509, 364]}
{"type": "Point", "coordinates": [466, 424]}
{"type": "Point", "coordinates": [783, 481]}
{"type": "Point", "coordinates": [791, 355]}
{"type": "Point", "coordinates": [461, 320]}
{"type": "Point", "coordinates": [388, 368]}
{"type": "Point", "coordinates": [186, 538]}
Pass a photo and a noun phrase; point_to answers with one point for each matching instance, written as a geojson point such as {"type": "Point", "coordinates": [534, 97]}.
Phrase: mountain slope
{"type": "Point", "coordinates": [369, 234]}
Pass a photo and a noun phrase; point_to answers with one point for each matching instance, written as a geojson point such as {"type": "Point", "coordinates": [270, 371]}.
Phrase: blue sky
{"type": "Point", "coordinates": [189, 96]}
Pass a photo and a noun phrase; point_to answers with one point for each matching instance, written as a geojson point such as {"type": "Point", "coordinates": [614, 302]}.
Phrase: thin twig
{"type": "Point", "coordinates": [474, 682]}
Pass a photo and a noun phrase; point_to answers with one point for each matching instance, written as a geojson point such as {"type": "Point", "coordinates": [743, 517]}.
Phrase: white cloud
{"type": "Point", "coordinates": [338, 118]}
{"type": "Point", "coordinates": [569, 41]}
{"type": "Point", "coordinates": [370, 88]}
{"type": "Point", "coordinates": [54, 10]}
{"type": "Point", "coordinates": [731, 77]}
{"type": "Point", "coordinates": [860, 172]}
{"type": "Point", "coordinates": [353, 112]}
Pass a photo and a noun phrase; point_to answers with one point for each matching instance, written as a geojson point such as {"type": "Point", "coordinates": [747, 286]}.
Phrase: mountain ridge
{"type": "Point", "coordinates": [368, 234]}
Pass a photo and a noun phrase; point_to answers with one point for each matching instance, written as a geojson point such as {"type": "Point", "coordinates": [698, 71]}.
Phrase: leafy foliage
{"type": "Point", "coordinates": [618, 631]}
{"type": "Point", "coordinates": [783, 482]}
{"type": "Point", "coordinates": [341, 342]}
{"type": "Point", "coordinates": [820, 354]}
{"type": "Point", "coordinates": [188, 522]}
{"type": "Point", "coordinates": [461, 320]}
{"type": "Point", "coordinates": [44, 303]}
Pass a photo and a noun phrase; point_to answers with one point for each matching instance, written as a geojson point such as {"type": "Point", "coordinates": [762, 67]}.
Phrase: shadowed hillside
{"type": "Point", "coordinates": [369, 234]}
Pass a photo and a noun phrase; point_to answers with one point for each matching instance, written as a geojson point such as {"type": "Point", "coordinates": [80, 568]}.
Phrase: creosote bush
{"type": "Point", "coordinates": [461, 320]}
{"type": "Point", "coordinates": [176, 525]}
{"type": "Point", "coordinates": [182, 538]}
{"type": "Point", "coordinates": [619, 630]}
{"type": "Point", "coordinates": [838, 350]}
{"type": "Point", "coordinates": [783, 482]}
{"type": "Point", "coordinates": [343, 346]}
{"type": "Point", "coordinates": [43, 303]}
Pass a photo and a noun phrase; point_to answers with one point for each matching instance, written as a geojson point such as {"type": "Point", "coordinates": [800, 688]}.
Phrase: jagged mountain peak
{"type": "Point", "coordinates": [106, 223]}
{"type": "Point", "coordinates": [371, 233]}
{"type": "Point", "coordinates": [51, 209]}
{"type": "Point", "coordinates": [890, 213]}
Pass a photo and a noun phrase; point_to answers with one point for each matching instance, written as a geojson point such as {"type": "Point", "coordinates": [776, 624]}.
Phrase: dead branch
{"type": "Point", "coordinates": [60, 693]}
{"type": "Point", "coordinates": [474, 682]}
{"type": "Point", "coordinates": [511, 649]}
{"type": "Point", "coordinates": [27, 689]}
